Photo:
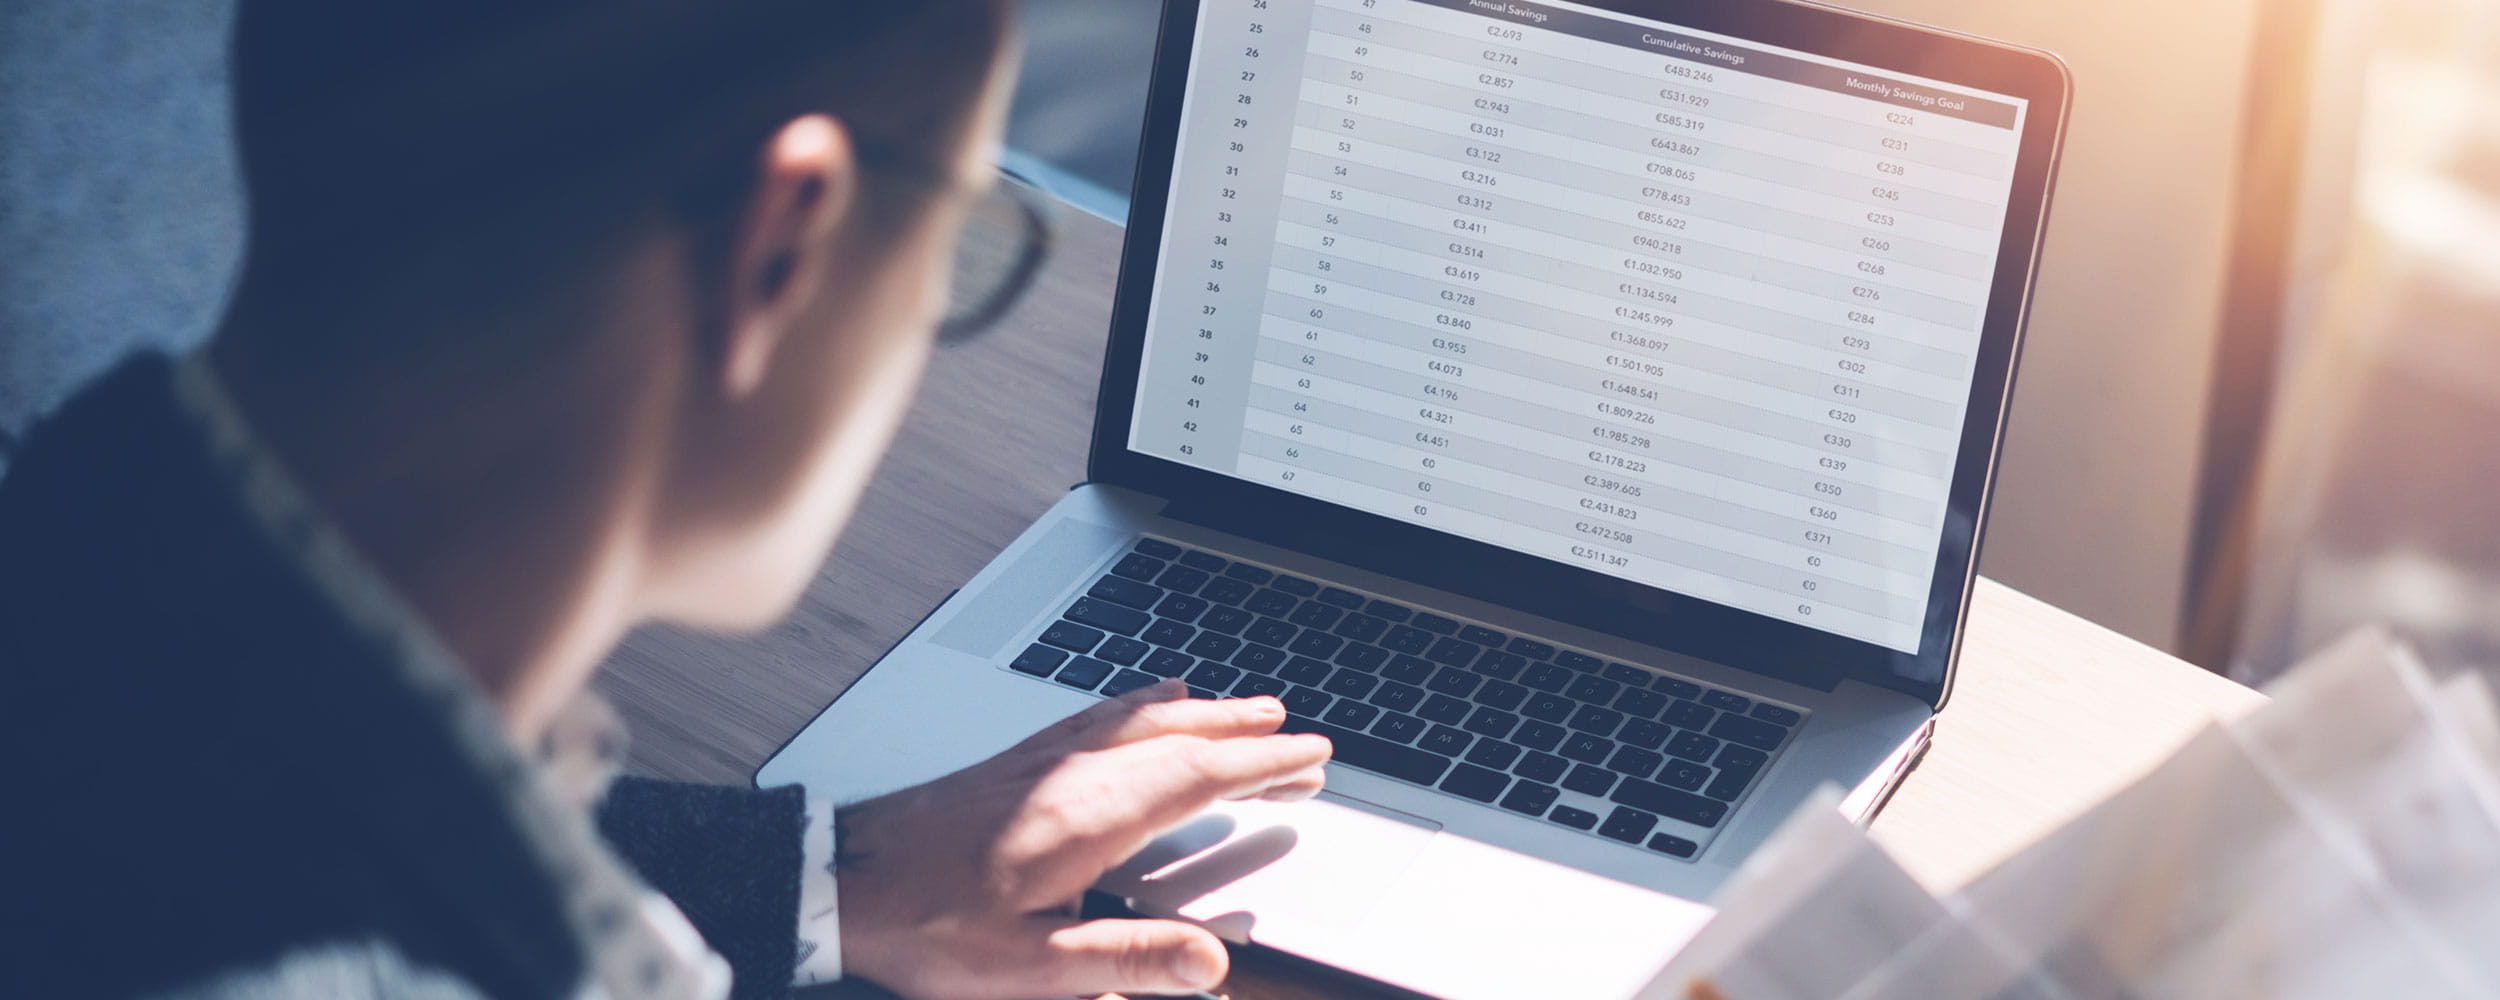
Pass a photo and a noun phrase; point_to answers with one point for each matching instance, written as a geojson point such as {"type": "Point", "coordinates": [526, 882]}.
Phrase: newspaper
{"type": "Point", "coordinates": [2343, 841]}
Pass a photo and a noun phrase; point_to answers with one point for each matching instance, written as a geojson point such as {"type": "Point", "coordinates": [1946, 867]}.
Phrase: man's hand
{"type": "Point", "coordinates": [966, 888]}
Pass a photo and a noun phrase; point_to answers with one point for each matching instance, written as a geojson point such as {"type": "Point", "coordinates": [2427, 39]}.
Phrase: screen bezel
{"type": "Point", "coordinates": [1586, 597]}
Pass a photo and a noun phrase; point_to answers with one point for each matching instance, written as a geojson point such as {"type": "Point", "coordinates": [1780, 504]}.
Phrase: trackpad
{"type": "Point", "coordinates": [1253, 870]}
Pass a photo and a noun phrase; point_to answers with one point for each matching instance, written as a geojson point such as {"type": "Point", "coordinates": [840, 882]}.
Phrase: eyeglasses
{"type": "Point", "coordinates": [1005, 239]}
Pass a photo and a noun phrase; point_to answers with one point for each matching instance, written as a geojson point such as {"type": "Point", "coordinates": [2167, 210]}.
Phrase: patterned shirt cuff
{"type": "Point", "coordinates": [820, 913]}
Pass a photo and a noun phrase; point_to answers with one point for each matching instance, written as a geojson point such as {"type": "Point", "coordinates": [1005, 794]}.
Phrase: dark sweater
{"type": "Point", "coordinates": [210, 771]}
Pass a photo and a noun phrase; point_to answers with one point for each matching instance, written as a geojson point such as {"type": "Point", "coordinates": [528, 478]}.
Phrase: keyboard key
{"type": "Point", "coordinates": [1313, 642]}
{"type": "Point", "coordinates": [1579, 661]}
{"type": "Point", "coordinates": [1443, 709]}
{"type": "Point", "coordinates": [1138, 566]}
{"type": "Point", "coordinates": [1546, 677]}
{"type": "Point", "coordinates": [1304, 701]}
{"type": "Point", "coordinates": [1549, 707]}
{"type": "Point", "coordinates": [1675, 687]}
{"type": "Point", "coordinates": [1667, 843]}
{"type": "Point", "coordinates": [1350, 684]}
{"type": "Point", "coordinates": [1072, 637]}
{"type": "Point", "coordinates": [1687, 715]}
{"type": "Point", "coordinates": [1122, 650]}
{"type": "Point", "coordinates": [1625, 673]}
{"type": "Point", "coordinates": [1168, 633]}
{"type": "Point", "coordinates": [1360, 627]}
{"type": "Point", "coordinates": [1398, 727]}
{"type": "Point", "coordinates": [1213, 646]}
{"type": "Point", "coordinates": [1158, 548]}
{"type": "Point", "coordinates": [1503, 695]}
{"type": "Point", "coordinates": [1594, 690]}
{"type": "Point", "coordinates": [1128, 680]}
{"type": "Point", "coordinates": [1272, 603]}
{"type": "Point", "coordinates": [1214, 676]}
{"type": "Point", "coordinates": [1539, 735]}
{"type": "Point", "coordinates": [1628, 825]}
{"type": "Point", "coordinates": [1635, 762]}
{"type": "Point", "coordinates": [1361, 656]}
{"type": "Point", "coordinates": [1294, 585]}
{"type": "Point", "coordinates": [1304, 670]}
{"type": "Point", "coordinates": [1039, 660]}
{"type": "Point", "coordinates": [1254, 685]}
{"type": "Point", "coordinates": [1737, 767]}
{"type": "Point", "coordinates": [1493, 753]}
{"type": "Point", "coordinates": [1168, 663]}
{"type": "Point", "coordinates": [1248, 573]}
{"type": "Point", "coordinates": [1342, 598]}
{"type": "Point", "coordinates": [1183, 579]}
{"type": "Point", "coordinates": [1470, 781]}
{"type": "Point", "coordinates": [1230, 621]}
{"type": "Point", "coordinates": [1577, 819]}
{"type": "Point", "coordinates": [1776, 715]}
{"type": "Point", "coordinates": [1391, 612]}
{"type": "Point", "coordinates": [1645, 734]}
{"type": "Point", "coordinates": [1084, 672]}
{"type": "Point", "coordinates": [1588, 779]}
{"type": "Point", "coordinates": [1434, 624]}
{"type": "Point", "coordinates": [1541, 767]}
{"type": "Point", "coordinates": [1692, 746]}
{"type": "Point", "coordinates": [1226, 591]}
{"type": "Point", "coordinates": [1596, 721]}
{"type": "Point", "coordinates": [1406, 639]}
{"type": "Point", "coordinates": [1496, 663]}
{"type": "Point", "coordinates": [1351, 714]}
{"type": "Point", "coordinates": [1491, 722]}
{"type": "Point", "coordinates": [1726, 701]}
{"type": "Point", "coordinates": [1684, 774]}
{"type": "Point", "coordinates": [1208, 561]}
{"type": "Point", "coordinates": [1454, 652]}
{"type": "Point", "coordinates": [1530, 797]}
{"type": "Point", "coordinates": [1668, 802]}
{"type": "Point", "coordinates": [1270, 632]}
{"type": "Point", "coordinates": [1372, 753]}
{"type": "Point", "coordinates": [1641, 704]}
{"type": "Point", "coordinates": [1587, 749]}
{"type": "Point", "coordinates": [1453, 681]}
{"type": "Point", "coordinates": [1398, 697]}
{"type": "Point", "coordinates": [1529, 648]}
{"type": "Point", "coordinates": [1482, 636]}
{"type": "Point", "coordinates": [1754, 733]}
{"type": "Point", "coordinates": [1446, 741]}
{"type": "Point", "coordinates": [1408, 669]}
{"type": "Point", "coordinates": [1107, 616]}
{"type": "Point", "coordinates": [1261, 658]}
{"type": "Point", "coordinates": [1122, 590]}
{"type": "Point", "coordinates": [1314, 615]}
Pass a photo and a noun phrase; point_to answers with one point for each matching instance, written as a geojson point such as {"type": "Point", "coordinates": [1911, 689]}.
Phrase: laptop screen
{"type": "Point", "coordinates": [1694, 311]}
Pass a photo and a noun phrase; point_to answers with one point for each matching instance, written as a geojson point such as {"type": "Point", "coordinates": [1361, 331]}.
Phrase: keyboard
{"type": "Point", "coordinates": [1617, 751]}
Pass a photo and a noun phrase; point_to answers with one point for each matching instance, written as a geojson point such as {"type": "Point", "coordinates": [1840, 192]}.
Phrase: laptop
{"type": "Point", "coordinates": [1582, 413]}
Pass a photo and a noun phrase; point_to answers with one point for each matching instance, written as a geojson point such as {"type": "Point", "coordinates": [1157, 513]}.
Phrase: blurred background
{"type": "Point", "coordinates": [2258, 406]}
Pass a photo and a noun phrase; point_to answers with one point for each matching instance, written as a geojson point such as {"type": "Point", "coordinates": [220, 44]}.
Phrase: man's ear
{"type": "Point", "coordinates": [807, 179]}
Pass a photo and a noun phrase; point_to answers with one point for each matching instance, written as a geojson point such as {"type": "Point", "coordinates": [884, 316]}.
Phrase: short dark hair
{"type": "Point", "coordinates": [373, 127]}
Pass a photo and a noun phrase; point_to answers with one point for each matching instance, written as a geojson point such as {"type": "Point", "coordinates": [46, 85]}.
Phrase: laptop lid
{"type": "Point", "coordinates": [1692, 322]}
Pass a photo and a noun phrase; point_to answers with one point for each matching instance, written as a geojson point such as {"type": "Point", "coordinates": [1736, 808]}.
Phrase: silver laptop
{"type": "Point", "coordinates": [1581, 413]}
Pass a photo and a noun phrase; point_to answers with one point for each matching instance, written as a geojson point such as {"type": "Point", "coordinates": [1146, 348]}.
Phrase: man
{"type": "Point", "coordinates": [558, 317]}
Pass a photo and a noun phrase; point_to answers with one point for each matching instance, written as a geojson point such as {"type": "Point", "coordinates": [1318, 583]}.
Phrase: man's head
{"type": "Point", "coordinates": [661, 273]}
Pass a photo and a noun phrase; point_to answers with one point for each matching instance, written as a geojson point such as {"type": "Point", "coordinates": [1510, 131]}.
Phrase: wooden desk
{"type": "Point", "coordinates": [2051, 712]}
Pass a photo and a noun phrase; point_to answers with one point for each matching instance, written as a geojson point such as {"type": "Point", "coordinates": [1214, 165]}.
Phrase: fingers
{"type": "Point", "coordinates": [1175, 776]}
{"type": "Point", "coordinates": [1057, 734]}
{"type": "Point", "coordinates": [1131, 956]}
{"type": "Point", "coordinates": [1213, 720]}
{"type": "Point", "coordinates": [1295, 788]}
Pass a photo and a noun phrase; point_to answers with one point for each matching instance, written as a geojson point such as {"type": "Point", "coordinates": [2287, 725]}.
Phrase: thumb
{"type": "Point", "coordinates": [1134, 956]}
